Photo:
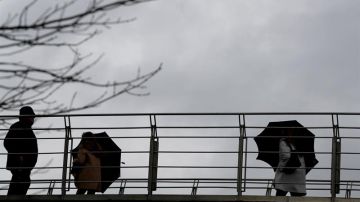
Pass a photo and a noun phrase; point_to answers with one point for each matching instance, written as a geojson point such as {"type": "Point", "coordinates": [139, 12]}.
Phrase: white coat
{"type": "Point", "coordinates": [294, 182]}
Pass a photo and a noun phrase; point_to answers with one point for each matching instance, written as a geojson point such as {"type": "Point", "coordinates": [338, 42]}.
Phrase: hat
{"type": "Point", "coordinates": [27, 110]}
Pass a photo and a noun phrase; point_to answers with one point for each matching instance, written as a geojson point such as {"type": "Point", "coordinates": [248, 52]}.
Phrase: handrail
{"type": "Point", "coordinates": [172, 127]}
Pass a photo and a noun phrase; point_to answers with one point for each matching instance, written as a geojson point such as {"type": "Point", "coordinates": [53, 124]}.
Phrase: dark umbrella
{"type": "Point", "coordinates": [110, 158]}
{"type": "Point", "coordinates": [268, 143]}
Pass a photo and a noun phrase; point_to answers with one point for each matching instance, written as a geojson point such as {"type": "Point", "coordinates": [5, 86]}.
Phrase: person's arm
{"type": "Point", "coordinates": [284, 154]}
{"type": "Point", "coordinates": [11, 145]}
{"type": "Point", "coordinates": [78, 162]}
{"type": "Point", "coordinates": [81, 156]}
{"type": "Point", "coordinates": [9, 142]}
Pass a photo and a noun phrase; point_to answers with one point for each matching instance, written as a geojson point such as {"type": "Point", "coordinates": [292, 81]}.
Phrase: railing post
{"type": "Point", "coordinates": [348, 190]}
{"type": "Point", "coordinates": [153, 156]}
{"type": "Point", "coordinates": [66, 149]}
{"type": "Point", "coordinates": [51, 187]}
{"type": "Point", "coordinates": [269, 188]}
{"type": "Point", "coordinates": [240, 155]}
{"type": "Point", "coordinates": [195, 187]}
{"type": "Point", "coordinates": [122, 187]}
{"type": "Point", "coordinates": [335, 157]}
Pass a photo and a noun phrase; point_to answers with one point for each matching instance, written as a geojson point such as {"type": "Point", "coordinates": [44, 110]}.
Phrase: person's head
{"type": "Point", "coordinates": [88, 140]}
{"type": "Point", "coordinates": [27, 115]}
{"type": "Point", "coordinates": [288, 134]}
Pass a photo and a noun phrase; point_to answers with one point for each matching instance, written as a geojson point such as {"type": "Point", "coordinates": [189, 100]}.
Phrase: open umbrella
{"type": "Point", "coordinates": [110, 159]}
{"type": "Point", "coordinates": [268, 143]}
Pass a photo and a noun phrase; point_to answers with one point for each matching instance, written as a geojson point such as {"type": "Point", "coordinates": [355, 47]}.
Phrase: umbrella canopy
{"type": "Point", "coordinates": [268, 142]}
{"type": "Point", "coordinates": [110, 158]}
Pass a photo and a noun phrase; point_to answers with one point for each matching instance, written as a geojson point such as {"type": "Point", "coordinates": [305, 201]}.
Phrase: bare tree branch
{"type": "Point", "coordinates": [46, 28]}
{"type": "Point", "coordinates": [63, 27]}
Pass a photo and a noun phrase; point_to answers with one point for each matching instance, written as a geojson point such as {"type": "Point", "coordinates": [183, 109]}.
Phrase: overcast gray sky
{"type": "Point", "coordinates": [232, 56]}
{"type": "Point", "coordinates": [242, 56]}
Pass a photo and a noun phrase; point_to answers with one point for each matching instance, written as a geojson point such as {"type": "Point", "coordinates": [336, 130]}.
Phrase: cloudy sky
{"type": "Point", "coordinates": [240, 56]}
{"type": "Point", "coordinates": [233, 56]}
{"type": "Point", "coordinates": [229, 55]}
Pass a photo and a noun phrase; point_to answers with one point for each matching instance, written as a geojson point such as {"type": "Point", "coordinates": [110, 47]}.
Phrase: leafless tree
{"type": "Point", "coordinates": [58, 26]}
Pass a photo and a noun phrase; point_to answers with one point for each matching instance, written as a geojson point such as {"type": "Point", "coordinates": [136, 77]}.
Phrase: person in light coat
{"type": "Point", "coordinates": [88, 176]}
{"type": "Point", "coordinates": [295, 182]}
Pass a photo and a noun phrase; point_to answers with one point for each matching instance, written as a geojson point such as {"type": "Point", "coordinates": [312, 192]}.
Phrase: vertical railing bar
{"type": "Point", "coordinates": [332, 191]}
{"type": "Point", "coordinates": [122, 186]}
{"type": "Point", "coordinates": [155, 158]}
{"type": "Point", "coordinates": [71, 147]}
{"type": "Point", "coordinates": [195, 187]}
{"type": "Point", "coordinates": [246, 154]}
{"type": "Point", "coordinates": [239, 172]}
{"type": "Point", "coordinates": [151, 154]}
{"type": "Point", "coordinates": [71, 161]}
{"type": "Point", "coordinates": [335, 161]}
{"type": "Point", "coordinates": [65, 159]}
{"type": "Point", "coordinates": [268, 188]}
{"type": "Point", "coordinates": [150, 159]}
{"type": "Point", "coordinates": [240, 157]}
{"type": "Point", "coordinates": [338, 155]}
{"type": "Point", "coordinates": [51, 187]}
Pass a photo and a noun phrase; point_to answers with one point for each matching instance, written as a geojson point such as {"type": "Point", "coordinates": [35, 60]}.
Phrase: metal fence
{"type": "Point", "coordinates": [192, 153]}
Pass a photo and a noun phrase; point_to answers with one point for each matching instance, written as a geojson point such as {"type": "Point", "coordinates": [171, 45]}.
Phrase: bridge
{"type": "Point", "coordinates": [190, 156]}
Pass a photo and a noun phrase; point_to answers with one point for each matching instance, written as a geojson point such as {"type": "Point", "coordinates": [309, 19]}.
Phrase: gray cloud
{"type": "Point", "coordinates": [258, 56]}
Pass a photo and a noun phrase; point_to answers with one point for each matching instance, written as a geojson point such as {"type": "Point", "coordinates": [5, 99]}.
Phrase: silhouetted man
{"type": "Point", "coordinates": [21, 144]}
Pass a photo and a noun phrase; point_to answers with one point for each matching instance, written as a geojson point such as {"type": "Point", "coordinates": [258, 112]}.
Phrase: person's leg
{"type": "Point", "coordinates": [297, 194]}
{"type": "Point", "coordinates": [281, 192]}
{"type": "Point", "coordinates": [20, 182]}
{"type": "Point", "coordinates": [26, 181]}
{"type": "Point", "coordinates": [15, 179]}
{"type": "Point", "coordinates": [80, 191]}
{"type": "Point", "coordinates": [91, 192]}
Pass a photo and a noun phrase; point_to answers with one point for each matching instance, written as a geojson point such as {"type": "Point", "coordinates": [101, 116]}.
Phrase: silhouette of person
{"type": "Point", "coordinates": [22, 147]}
{"type": "Point", "coordinates": [88, 175]}
{"type": "Point", "coordinates": [294, 181]}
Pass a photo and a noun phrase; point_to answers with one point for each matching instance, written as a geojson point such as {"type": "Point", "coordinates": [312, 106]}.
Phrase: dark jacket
{"type": "Point", "coordinates": [21, 143]}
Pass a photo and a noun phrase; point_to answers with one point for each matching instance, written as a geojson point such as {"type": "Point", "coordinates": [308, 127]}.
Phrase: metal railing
{"type": "Point", "coordinates": [192, 153]}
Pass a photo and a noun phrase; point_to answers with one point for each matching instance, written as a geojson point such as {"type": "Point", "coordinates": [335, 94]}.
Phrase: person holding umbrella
{"type": "Point", "coordinates": [87, 165]}
{"type": "Point", "coordinates": [288, 147]}
{"type": "Point", "coordinates": [290, 175]}
{"type": "Point", "coordinates": [96, 163]}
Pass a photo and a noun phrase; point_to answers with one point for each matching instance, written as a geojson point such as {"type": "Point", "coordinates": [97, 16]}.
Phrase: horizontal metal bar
{"type": "Point", "coordinates": [192, 114]}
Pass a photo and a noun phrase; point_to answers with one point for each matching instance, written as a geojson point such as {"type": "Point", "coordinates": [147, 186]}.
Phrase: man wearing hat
{"type": "Point", "coordinates": [21, 144]}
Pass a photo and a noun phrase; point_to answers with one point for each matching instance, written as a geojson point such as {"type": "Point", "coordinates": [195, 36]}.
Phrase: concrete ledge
{"type": "Point", "coordinates": [179, 198]}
